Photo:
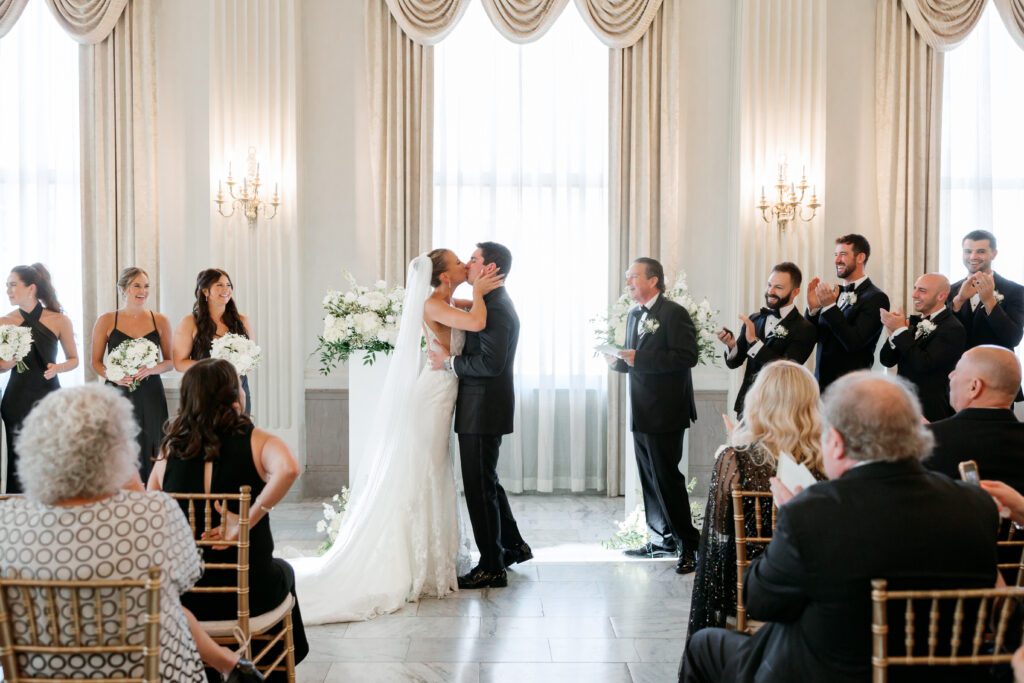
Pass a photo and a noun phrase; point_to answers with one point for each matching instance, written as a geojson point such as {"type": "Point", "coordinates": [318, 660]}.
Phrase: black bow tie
{"type": "Point", "coordinates": [770, 311]}
{"type": "Point", "coordinates": [850, 287]}
{"type": "Point", "coordinates": [644, 309]}
{"type": "Point", "coordinates": [915, 319]}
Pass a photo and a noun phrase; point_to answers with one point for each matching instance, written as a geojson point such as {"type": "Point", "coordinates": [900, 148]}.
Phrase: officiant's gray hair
{"type": "Point", "coordinates": [878, 416]}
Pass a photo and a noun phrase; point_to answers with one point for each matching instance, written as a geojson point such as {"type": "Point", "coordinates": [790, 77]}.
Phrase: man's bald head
{"type": "Point", "coordinates": [985, 377]}
{"type": "Point", "coordinates": [930, 292]}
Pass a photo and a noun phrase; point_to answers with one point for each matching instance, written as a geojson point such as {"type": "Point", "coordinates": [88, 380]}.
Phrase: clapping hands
{"type": "Point", "coordinates": [893, 320]}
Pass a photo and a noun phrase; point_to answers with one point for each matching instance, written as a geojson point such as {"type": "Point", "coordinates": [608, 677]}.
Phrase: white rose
{"type": "Point", "coordinates": [6, 351]}
{"type": "Point", "coordinates": [350, 297]}
{"type": "Point", "coordinates": [115, 374]}
{"type": "Point", "coordinates": [375, 301]}
{"type": "Point", "coordinates": [367, 324]}
{"type": "Point", "coordinates": [389, 335]}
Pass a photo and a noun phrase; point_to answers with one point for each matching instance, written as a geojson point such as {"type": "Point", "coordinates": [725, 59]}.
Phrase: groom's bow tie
{"type": "Point", "coordinates": [850, 287]}
{"type": "Point", "coordinates": [769, 311]}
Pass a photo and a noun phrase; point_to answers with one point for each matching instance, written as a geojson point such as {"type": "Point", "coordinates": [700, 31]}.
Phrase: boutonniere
{"type": "Point", "coordinates": [780, 332]}
{"type": "Point", "coordinates": [924, 328]}
{"type": "Point", "coordinates": [847, 299]}
{"type": "Point", "coordinates": [999, 297]}
{"type": "Point", "coordinates": [649, 326]}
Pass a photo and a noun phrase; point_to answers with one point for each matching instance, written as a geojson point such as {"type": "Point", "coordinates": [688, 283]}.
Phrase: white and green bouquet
{"type": "Point", "coordinates": [15, 343]}
{"type": "Point", "coordinates": [361, 319]}
{"type": "Point", "coordinates": [334, 512]}
{"type": "Point", "coordinates": [633, 531]}
{"type": "Point", "coordinates": [239, 350]}
{"type": "Point", "coordinates": [610, 328]}
{"type": "Point", "coordinates": [128, 358]}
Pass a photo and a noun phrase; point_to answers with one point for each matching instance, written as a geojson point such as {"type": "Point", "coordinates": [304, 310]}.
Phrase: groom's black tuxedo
{"type": "Point", "coordinates": [795, 344]}
{"type": "Point", "coordinates": [484, 412]}
{"type": "Point", "coordinates": [847, 336]}
{"type": "Point", "coordinates": [661, 397]}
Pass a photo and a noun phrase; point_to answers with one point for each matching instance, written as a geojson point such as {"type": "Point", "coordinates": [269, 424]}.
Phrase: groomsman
{"type": "Point", "coordinates": [777, 331]}
{"type": "Point", "coordinates": [927, 346]}
{"type": "Point", "coordinates": [847, 317]}
{"type": "Point", "coordinates": [661, 347]}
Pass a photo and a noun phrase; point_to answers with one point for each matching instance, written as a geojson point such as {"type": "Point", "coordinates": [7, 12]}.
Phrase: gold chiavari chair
{"type": "Point", "coordinates": [273, 627]}
{"type": "Point", "coordinates": [7, 496]}
{"type": "Point", "coordinates": [762, 504]}
{"type": "Point", "coordinates": [1010, 545]}
{"type": "Point", "coordinates": [971, 643]}
{"type": "Point", "coordinates": [58, 624]}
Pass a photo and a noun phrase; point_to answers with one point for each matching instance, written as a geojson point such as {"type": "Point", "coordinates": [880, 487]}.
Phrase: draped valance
{"type": "Point", "coordinates": [87, 21]}
{"type": "Point", "coordinates": [945, 24]}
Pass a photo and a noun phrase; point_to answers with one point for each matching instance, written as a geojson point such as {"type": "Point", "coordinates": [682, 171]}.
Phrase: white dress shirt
{"type": "Point", "coordinates": [930, 316]}
{"type": "Point", "coordinates": [770, 324]}
{"type": "Point", "coordinates": [856, 283]}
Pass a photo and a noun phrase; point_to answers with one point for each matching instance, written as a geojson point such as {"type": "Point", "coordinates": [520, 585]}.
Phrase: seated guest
{"type": "Point", "coordinates": [212, 446]}
{"type": "Point", "coordinates": [777, 331]}
{"type": "Point", "coordinates": [927, 346]}
{"type": "Point", "coordinates": [781, 416]}
{"type": "Point", "coordinates": [78, 452]}
{"type": "Point", "coordinates": [881, 515]}
{"type": "Point", "coordinates": [982, 389]}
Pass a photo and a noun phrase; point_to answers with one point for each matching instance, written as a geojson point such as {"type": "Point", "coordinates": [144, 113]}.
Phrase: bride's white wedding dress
{"type": "Point", "coordinates": [401, 537]}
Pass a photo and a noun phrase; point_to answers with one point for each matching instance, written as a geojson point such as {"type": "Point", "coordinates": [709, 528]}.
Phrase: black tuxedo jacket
{"type": "Point", "coordinates": [992, 437]}
{"type": "Point", "coordinates": [795, 346]}
{"type": "Point", "coordinates": [847, 339]}
{"type": "Point", "coordinates": [1004, 326]}
{"type": "Point", "coordinates": [660, 386]}
{"type": "Point", "coordinates": [893, 521]}
{"type": "Point", "coordinates": [928, 360]}
{"type": "Point", "coordinates": [486, 402]}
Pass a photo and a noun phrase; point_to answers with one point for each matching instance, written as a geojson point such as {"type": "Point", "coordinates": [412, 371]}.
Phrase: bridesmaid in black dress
{"type": "Point", "coordinates": [214, 314]}
{"type": "Point", "coordinates": [211, 446]}
{"type": "Point", "coordinates": [135, 321]}
{"type": "Point", "coordinates": [29, 288]}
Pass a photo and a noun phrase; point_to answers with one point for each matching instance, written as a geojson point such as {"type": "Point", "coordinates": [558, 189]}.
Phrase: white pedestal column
{"type": "Point", "coordinates": [365, 383]}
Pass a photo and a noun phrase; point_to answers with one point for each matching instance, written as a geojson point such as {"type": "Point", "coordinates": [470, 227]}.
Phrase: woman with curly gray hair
{"type": "Point", "coordinates": [79, 520]}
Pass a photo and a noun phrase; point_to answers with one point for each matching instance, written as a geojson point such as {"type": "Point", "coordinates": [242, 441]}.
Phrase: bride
{"type": "Point", "coordinates": [401, 538]}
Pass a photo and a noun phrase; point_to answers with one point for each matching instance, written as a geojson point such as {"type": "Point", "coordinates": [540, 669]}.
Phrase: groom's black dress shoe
{"type": "Point", "coordinates": [480, 578]}
{"type": "Point", "coordinates": [518, 554]}
{"type": "Point", "coordinates": [651, 550]}
{"type": "Point", "coordinates": [687, 563]}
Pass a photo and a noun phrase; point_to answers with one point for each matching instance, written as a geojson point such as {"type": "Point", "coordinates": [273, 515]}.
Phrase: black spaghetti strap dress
{"type": "Point", "coordinates": [25, 389]}
{"type": "Point", "coordinates": [201, 354]}
{"type": "Point", "coordinates": [148, 402]}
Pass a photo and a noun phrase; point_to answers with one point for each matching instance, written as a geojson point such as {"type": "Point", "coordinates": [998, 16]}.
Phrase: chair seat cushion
{"type": "Point", "coordinates": [257, 625]}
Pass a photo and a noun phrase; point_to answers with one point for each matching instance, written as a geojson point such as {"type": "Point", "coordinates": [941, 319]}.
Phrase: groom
{"type": "Point", "coordinates": [483, 414]}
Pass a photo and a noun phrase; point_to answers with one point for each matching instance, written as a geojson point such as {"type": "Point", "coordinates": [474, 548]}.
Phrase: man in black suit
{"type": "Point", "coordinates": [483, 414]}
{"type": "Point", "coordinates": [880, 515]}
{"type": "Point", "coordinates": [984, 429]}
{"type": "Point", "coordinates": [990, 307]}
{"type": "Point", "coordinates": [661, 347]}
{"type": "Point", "coordinates": [846, 317]}
{"type": "Point", "coordinates": [777, 331]}
{"type": "Point", "coordinates": [927, 346]}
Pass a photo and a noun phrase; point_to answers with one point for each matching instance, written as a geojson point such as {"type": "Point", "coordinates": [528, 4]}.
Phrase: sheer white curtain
{"type": "Point", "coordinates": [983, 145]}
{"type": "Point", "coordinates": [40, 207]}
{"type": "Point", "coordinates": [521, 157]}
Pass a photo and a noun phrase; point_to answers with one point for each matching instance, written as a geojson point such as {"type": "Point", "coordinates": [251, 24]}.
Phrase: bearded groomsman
{"type": "Point", "coordinates": [847, 317]}
{"type": "Point", "coordinates": [927, 346]}
{"type": "Point", "coordinates": [777, 331]}
{"type": "Point", "coordinates": [661, 347]}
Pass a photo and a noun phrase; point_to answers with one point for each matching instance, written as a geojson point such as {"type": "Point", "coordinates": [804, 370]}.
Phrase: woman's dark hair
{"type": "Point", "coordinates": [439, 260]}
{"type": "Point", "coordinates": [209, 393]}
{"type": "Point", "coordinates": [38, 275]}
{"type": "Point", "coordinates": [206, 328]}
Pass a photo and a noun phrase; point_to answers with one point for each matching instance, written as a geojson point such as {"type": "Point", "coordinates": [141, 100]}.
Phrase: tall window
{"type": "Point", "coordinates": [983, 146]}
{"type": "Point", "coordinates": [40, 207]}
{"type": "Point", "coordinates": [521, 157]}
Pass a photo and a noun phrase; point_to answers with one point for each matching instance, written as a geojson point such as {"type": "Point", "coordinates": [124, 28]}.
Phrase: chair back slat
{"type": "Point", "coordinates": [743, 541]}
{"type": "Point", "coordinates": [908, 626]}
{"type": "Point", "coordinates": [76, 617]}
{"type": "Point", "coordinates": [979, 628]}
{"type": "Point", "coordinates": [933, 628]}
{"type": "Point", "coordinates": [54, 635]}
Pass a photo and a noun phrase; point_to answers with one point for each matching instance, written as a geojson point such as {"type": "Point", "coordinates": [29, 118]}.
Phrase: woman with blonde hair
{"type": "Point", "coordinates": [781, 414]}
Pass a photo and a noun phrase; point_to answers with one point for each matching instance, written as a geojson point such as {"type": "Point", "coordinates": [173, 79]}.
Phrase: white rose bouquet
{"type": "Point", "coordinates": [128, 358]}
{"type": "Point", "coordinates": [15, 343]}
{"type": "Point", "coordinates": [610, 329]}
{"type": "Point", "coordinates": [361, 319]}
{"type": "Point", "coordinates": [241, 351]}
{"type": "Point", "coordinates": [334, 512]}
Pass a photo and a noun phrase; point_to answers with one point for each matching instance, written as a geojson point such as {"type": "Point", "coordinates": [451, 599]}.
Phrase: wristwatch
{"type": "Point", "coordinates": [448, 364]}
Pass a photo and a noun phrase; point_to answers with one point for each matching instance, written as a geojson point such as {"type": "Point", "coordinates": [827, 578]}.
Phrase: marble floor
{"type": "Point", "coordinates": [577, 611]}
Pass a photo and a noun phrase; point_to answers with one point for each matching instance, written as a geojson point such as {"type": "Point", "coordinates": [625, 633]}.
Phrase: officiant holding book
{"type": "Point", "coordinates": [661, 348]}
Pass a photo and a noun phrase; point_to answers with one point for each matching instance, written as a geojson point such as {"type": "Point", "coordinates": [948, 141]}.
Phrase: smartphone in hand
{"type": "Point", "coordinates": [969, 472]}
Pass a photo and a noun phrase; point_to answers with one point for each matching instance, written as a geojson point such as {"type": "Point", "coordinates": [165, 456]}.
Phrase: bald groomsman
{"type": "Point", "coordinates": [926, 346]}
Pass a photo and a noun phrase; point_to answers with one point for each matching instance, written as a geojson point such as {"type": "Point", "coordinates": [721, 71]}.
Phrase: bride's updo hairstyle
{"type": "Point", "coordinates": [439, 260]}
{"type": "Point", "coordinates": [38, 275]}
{"type": "Point", "coordinates": [209, 395]}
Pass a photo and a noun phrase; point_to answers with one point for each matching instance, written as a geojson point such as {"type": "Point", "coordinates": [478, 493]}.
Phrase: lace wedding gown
{"type": "Point", "coordinates": [402, 536]}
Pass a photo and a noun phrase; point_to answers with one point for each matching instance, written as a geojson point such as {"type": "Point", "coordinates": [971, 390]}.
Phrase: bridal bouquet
{"type": "Point", "coordinates": [243, 352]}
{"type": "Point", "coordinates": [334, 512]}
{"type": "Point", "coordinates": [128, 358]}
{"type": "Point", "coordinates": [15, 343]}
{"type": "Point", "coordinates": [361, 319]}
{"type": "Point", "coordinates": [610, 328]}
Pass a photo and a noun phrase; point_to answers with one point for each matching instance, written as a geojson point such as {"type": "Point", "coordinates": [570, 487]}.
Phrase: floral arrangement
{"type": "Point", "coordinates": [361, 319]}
{"type": "Point", "coordinates": [241, 351]}
{"type": "Point", "coordinates": [15, 343]}
{"type": "Point", "coordinates": [633, 532]}
{"type": "Point", "coordinates": [610, 329]}
{"type": "Point", "coordinates": [334, 512]}
{"type": "Point", "coordinates": [128, 358]}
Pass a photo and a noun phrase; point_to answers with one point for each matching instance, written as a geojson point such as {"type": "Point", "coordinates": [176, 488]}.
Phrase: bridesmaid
{"type": "Point", "coordinates": [29, 288]}
{"type": "Point", "coordinates": [135, 321]}
{"type": "Point", "coordinates": [214, 314]}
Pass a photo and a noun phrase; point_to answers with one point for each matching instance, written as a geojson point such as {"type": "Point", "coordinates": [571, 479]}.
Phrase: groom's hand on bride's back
{"type": "Point", "coordinates": [437, 355]}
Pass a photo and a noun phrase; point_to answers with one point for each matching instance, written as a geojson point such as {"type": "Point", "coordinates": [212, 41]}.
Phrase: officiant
{"type": "Point", "coordinates": [661, 348]}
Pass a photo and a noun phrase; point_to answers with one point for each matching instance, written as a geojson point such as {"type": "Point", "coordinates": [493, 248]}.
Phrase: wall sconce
{"type": "Point", "coordinates": [788, 205]}
{"type": "Point", "coordinates": [249, 199]}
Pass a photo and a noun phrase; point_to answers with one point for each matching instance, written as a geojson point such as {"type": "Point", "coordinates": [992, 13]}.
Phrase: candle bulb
{"type": "Point", "coordinates": [275, 189]}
